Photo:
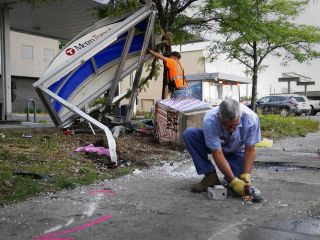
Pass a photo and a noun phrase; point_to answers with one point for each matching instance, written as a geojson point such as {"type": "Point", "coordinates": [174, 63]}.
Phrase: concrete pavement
{"type": "Point", "coordinates": [157, 204]}
{"type": "Point", "coordinates": [20, 121]}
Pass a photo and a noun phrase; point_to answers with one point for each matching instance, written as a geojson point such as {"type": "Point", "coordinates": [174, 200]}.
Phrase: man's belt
{"type": "Point", "coordinates": [181, 88]}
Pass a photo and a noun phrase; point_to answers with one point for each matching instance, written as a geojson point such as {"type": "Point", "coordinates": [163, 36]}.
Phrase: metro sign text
{"type": "Point", "coordinates": [82, 45]}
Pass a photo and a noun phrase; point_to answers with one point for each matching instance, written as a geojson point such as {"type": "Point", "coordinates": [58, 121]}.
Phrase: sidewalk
{"type": "Point", "coordinates": [157, 204]}
{"type": "Point", "coordinates": [20, 121]}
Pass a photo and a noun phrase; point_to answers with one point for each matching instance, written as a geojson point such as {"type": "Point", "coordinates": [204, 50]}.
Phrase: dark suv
{"type": "Point", "coordinates": [278, 104]}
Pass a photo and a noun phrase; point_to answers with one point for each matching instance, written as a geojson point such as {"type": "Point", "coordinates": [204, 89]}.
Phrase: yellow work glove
{"type": "Point", "coordinates": [246, 177]}
{"type": "Point", "coordinates": [238, 186]}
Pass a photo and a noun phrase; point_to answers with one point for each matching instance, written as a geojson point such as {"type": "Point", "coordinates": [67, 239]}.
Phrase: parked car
{"type": "Point", "coordinates": [284, 105]}
{"type": "Point", "coordinates": [303, 104]}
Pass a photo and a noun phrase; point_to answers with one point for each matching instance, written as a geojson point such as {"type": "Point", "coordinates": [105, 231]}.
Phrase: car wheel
{"type": "Point", "coordinates": [259, 110]}
{"type": "Point", "coordinates": [284, 112]}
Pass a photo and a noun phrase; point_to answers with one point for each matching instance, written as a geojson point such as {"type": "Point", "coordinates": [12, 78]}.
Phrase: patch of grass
{"type": "Point", "coordinates": [4, 154]}
{"type": "Point", "coordinates": [43, 121]}
{"type": "Point", "coordinates": [122, 171]}
{"type": "Point", "coordinates": [49, 153]}
{"type": "Point", "coordinates": [15, 189]}
{"type": "Point", "coordinates": [275, 126]}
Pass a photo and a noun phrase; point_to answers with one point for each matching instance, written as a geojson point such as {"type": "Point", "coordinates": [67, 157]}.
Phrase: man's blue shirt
{"type": "Point", "coordinates": [246, 134]}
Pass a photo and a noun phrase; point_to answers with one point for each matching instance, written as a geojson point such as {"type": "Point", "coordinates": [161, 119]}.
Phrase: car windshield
{"type": "Point", "coordinates": [293, 100]}
{"type": "Point", "coordinates": [280, 98]}
{"type": "Point", "coordinates": [300, 99]}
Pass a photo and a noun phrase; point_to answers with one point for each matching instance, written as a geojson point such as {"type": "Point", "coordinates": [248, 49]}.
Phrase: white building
{"type": "Point", "coordinates": [30, 55]}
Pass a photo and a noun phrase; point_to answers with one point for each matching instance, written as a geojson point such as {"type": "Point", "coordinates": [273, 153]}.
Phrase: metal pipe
{"type": "Point", "coordinates": [34, 109]}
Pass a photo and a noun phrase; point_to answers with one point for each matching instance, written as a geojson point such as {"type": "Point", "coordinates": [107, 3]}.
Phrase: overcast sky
{"type": "Point", "coordinates": [268, 79]}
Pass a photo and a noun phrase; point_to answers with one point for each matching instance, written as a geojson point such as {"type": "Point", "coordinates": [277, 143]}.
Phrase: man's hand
{"type": "Point", "coordinates": [238, 186]}
{"type": "Point", "coordinates": [246, 177]}
{"type": "Point", "coordinates": [156, 54]}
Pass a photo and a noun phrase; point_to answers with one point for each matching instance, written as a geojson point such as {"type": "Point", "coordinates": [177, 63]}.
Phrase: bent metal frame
{"type": "Point", "coordinates": [93, 63]}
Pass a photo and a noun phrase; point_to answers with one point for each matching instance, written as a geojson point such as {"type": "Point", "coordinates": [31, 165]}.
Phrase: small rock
{"type": "Point", "coordinates": [8, 183]}
{"type": "Point", "coordinates": [136, 172]}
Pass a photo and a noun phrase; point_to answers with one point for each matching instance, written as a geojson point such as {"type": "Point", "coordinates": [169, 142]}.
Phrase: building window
{"type": "Point", "coordinates": [48, 55]}
{"type": "Point", "coordinates": [27, 52]}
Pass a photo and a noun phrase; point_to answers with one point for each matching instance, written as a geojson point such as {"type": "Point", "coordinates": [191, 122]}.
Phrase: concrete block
{"type": "Point", "coordinates": [190, 119]}
{"type": "Point", "coordinates": [218, 192]}
{"type": "Point", "coordinates": [117, 130]}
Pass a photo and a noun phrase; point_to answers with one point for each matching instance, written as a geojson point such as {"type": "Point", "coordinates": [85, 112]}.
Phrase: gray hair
{"type": "Point", "coordinates": [229, 110]}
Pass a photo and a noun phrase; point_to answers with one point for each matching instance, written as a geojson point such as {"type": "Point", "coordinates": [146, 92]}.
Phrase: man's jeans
{"type": "Point", "coordinates": [180, 93]}
{"type": "Point", "coordinates": [194, 139]}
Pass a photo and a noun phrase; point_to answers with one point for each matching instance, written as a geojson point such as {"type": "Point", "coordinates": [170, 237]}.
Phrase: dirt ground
{"type": "Point", "coordinates": [132, 147]}
{"type": "Point", "coordinates": [145, 150]}
{"type": "Point", "coordinates": [29, 154]}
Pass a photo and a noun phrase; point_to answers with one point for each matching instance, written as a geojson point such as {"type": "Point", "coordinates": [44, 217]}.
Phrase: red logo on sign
{"type": "Point", "coordinates": [70, 51]}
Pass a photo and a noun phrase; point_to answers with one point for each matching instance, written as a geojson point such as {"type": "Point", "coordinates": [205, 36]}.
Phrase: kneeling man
{"type": "Point", "coordinates": [230, 132]}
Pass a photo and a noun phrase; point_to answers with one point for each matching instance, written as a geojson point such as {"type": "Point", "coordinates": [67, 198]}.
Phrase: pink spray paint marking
{"type": "Point", "coordinates": [93, 192]}
{"type": "Point", "coordinates": [53, 236]}
{"type": "Point", "coordinates": [45, 238]}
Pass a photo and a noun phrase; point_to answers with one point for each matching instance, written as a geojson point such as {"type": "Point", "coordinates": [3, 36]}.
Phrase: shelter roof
{"type": "Point", "coordinates": [295, 77]}
{"type": "Point", "coordinates": [218, 76]}
{"type": "Point", "coordinates": [57, 19]}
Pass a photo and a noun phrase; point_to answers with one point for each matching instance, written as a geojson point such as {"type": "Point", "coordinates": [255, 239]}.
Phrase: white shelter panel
{"type": "Point", "coordinates": [87, 66]}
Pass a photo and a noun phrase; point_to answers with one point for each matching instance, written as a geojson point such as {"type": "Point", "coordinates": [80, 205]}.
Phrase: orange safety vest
{"type": "Point", "coordinates": [176, 73]}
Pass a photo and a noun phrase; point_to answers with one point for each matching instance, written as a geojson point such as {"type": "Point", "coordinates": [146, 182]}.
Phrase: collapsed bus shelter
{"type": "Point", "coordinates": [92, 64]}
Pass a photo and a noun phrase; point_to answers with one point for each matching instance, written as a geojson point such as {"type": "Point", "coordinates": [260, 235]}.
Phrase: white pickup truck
{"type": "Point", "coordinates": [315, 106]}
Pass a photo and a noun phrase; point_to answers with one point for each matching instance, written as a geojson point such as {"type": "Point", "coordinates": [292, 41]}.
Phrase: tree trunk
{"type": "Point", "coordinates": [165, 88]}
{"type": "Point", "coordinates": [165, 48]}
{"type": "Point", "coordinates": [254, 77]}
{"type": "Point", "coordinates": [254, 88]}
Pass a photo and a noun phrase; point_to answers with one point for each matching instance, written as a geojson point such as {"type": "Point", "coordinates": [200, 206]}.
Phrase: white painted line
{"type": "Point", "coordinates": [91, 207]}
{"type": "Point", "coordinates": [53, 229]}
{"type": "Point", "coordinates": [59, 226]}
{"type": "Point", "coordinates": [227, 228]}
{"type": "Point", "coordinates": [90, 210]}
{"type": "Point", "coordinates": [70, 221]}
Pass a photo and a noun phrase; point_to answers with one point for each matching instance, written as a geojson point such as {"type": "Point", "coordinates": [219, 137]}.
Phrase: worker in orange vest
{"type": "Point", "coordinates": [178, 85]}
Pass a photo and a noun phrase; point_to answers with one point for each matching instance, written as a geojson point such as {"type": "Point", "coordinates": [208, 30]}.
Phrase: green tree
{"type": "Point", "coordinates": [173, 24]}
{"type": "Point", "coordinates": [251, 30]}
